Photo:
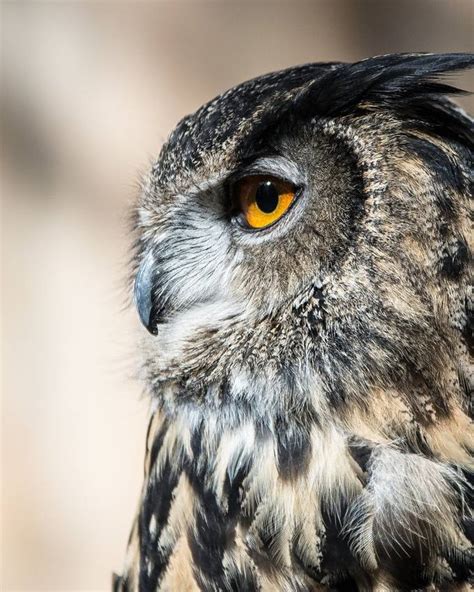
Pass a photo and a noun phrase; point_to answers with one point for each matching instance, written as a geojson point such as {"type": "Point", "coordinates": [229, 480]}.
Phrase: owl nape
{"type": "Point", "coordinates": [302, 262]}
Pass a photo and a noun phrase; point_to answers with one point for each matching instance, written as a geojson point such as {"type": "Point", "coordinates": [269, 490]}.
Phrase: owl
{"type": "Point", "coordinates": [302, 267]}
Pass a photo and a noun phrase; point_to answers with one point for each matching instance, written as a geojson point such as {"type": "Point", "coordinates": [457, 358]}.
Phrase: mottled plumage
{"type": "Point", "coordinates": [311, 382]}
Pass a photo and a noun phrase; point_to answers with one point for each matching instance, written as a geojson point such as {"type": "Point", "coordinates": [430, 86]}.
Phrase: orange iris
{"type": "Point", "coordinates": [263, 199]}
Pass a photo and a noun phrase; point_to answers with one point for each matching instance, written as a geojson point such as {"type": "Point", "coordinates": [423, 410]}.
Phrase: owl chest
{"type": "Point", "coordinates": [287, 510]}
{"type": "Point", "coordinates": [238, 513]}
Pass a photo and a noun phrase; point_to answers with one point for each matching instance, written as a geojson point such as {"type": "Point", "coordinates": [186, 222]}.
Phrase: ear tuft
{"type": "Point", "coordinates": [385, 80]}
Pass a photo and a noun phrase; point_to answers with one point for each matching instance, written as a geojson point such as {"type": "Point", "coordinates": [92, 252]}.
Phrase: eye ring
{"type": "Point", "coordinates": [262, 200]}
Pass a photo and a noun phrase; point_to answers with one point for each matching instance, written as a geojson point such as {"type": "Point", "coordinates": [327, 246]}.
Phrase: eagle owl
{"type": "Point", "coordinates": [302, 265]}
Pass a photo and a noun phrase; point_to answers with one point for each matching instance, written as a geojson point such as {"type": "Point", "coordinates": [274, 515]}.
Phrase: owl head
{"type": "Point", "coordinates": [302, 247]}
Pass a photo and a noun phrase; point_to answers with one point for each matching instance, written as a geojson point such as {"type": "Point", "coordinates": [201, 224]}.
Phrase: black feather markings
{"type": "Point", "coordinates": [394, 81]}
{"type": "Point", "coordinates": [156, 503]}
{"type": "Point", "coordinates": [293, 451]}
{"type": "Point", "coordinates": [215, 524]}
{"type": "Point", "coordinates": [455, 259]}
{"type": "Point", "coordinates": [384, 80]}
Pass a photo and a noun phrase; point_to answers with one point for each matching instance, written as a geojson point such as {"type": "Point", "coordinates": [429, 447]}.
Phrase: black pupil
{"type": "Point", "coordinates": [266, 197]}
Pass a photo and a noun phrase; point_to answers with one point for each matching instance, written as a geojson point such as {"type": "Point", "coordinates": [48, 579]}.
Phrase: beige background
{"type": "Point", "coordinates": [89, 92]}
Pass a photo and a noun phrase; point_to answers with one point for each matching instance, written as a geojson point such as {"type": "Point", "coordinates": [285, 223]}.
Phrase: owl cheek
{"type": "Point", "coordinates": [148, 312]}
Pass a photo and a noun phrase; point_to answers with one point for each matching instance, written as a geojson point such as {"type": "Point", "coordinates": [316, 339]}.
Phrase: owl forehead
{"type": "Point", "coordinates": [217, 136]}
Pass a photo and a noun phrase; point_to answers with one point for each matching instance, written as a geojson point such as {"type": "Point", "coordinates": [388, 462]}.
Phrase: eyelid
{"type": "Point", "coordinates": [273, 166]}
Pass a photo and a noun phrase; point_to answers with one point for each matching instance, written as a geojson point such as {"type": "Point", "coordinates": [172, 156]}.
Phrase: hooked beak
{"type": "Point", "coordinates": [143, 294]}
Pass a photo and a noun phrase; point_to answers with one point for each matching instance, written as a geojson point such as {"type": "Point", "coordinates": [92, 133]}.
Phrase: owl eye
{"type": "Point", "coordinates": [262, 200]}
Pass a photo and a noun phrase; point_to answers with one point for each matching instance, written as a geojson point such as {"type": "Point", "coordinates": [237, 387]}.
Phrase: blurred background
{"type": "Point", "coordinates": [89, 91]}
